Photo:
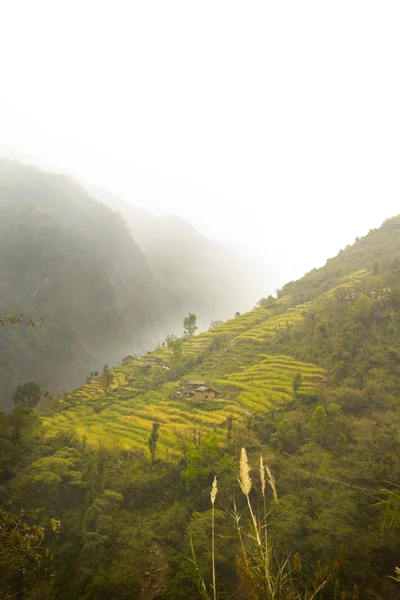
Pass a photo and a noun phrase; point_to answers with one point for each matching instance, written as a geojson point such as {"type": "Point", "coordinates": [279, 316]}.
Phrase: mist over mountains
{"type": "Point", "coordinates": [113, 279]}
{"type": "Point", "coordinates": [195, 274]}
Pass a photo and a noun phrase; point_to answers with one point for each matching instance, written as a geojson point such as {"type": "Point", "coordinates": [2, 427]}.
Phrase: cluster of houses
{"type": "Point", "coordinates": [191, 389]}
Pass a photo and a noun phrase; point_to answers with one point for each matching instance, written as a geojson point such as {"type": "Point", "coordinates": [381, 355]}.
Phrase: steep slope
{"type": "Point", "coordinates": [65, 254]}
{"type": "Point", "coordinates": [312, 385]}
{"type": "Point", "coordinates": [251, 359]}
{"type": "Point", "coordinates": [196, 274]}
{"type": "Point", "coordinates": [227, 357]}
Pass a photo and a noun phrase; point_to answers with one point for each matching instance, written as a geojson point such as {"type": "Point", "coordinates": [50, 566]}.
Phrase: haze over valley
{"type": "Point", "coordinates": [199, 300]}
{"type": "Point", "coordinates": [109, 279]}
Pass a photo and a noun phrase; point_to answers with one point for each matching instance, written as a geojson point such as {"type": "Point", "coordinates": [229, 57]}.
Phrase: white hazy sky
{"type": "Point", "coordinates": [272, 124]}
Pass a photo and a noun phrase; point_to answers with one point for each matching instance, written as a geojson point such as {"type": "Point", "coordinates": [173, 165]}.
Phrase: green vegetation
{"type": "Point", "coordinates": [106, 379]}
{"type": "Point", "coordinates": [261, 573]}
{"type": "Point", "coordinates": [189, 325]}
{"type": "Point", "coordinates": [308, 380]}
{"type": "Point", "coordinates": [28, 394]}
{"type": "Point", "coordinates": [176, 346]}
{"type": "Point", "coordinates": [152, 441]}
{"type": "Point", "coordinates": [22, 550]}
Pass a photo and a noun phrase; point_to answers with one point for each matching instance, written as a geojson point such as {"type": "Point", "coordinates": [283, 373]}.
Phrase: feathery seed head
{"type": "Point", "coordinates": [244, 473]}
{"type": "Point", "coordinates": [262, 475]}
{"type": "Point", "coordinates": [271, 481]}
{"type": "Point", "coordinates": [214, 490]}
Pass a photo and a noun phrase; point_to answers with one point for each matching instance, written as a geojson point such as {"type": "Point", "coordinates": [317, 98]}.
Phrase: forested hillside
{"type": "Point", "coordinates": [66, 255]}
{"type": "Point", "coordinates": [308, 380]}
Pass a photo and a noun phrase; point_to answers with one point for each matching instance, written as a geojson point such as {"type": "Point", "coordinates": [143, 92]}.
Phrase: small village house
{"type": "Point", "coordinates": [128, 359]}
{"type": "Point", "coordinates": [204, 393]}
{"type": "Point", "coordinates": [197, 390]}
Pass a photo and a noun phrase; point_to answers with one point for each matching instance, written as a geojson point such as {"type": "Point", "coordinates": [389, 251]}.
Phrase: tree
{"type": "Point", "coordinates": [176, 347]}
{"type": "Point", "coordinates": [362, 308]}
{"type": "Point", "coordinates": [229, 428]}
{"type": "Point", "coordinates": [158, 376]}
{"type": "Point", "coordinates": [152, 441]}
{"type": "Point", "coordinates": [318, 422]}
{"type": "Point", "coordinates": [27, 394]}
{"type": "Point", "coordinates": [22, 552]}
{"type": "Point", "coordinates": [169, 338]}
{"type": "Point", "coordinates": [296, 382]}
{"type": "Point", "coordinates": [189, 325]}
{"type": "Point", "coordinates": [106, 379]}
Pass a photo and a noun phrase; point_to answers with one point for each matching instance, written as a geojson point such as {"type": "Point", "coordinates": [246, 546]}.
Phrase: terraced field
{"type": "Point", "coordinates": [125, 415]}
{"type": "Point", "coordinates": [270, 381]}
{"type": "Point", "coordinates": [126, 418]}
{"type": "Point", "coordinates": [230, 358]}
{"type": "Point", "coordinates": [240, 358]}
{"type": "Point", "coordinates": [234, 358]}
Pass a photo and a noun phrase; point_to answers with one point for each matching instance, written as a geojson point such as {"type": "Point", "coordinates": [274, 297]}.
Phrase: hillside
{"type": "Point", "coordinates": [66, 255]}
{"type": "Point", "coordinates": [309, 379]}
{"type": "Point", "coordinates": [229, 357]}
{"type": "Point", "coordinates": [196, 274]}
{"type": "Point", "coordinates": [377, 251]}
{"type": "Point", "coordinates": [252, 358]}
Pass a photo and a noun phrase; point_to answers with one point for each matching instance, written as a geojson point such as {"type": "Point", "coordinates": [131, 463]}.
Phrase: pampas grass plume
{"type": "Point", "coordinates": [214, 491]}
{"type": "Point", "coordinates": [244, 478]}
{"type": "Point", "coordinates": [262, 476]}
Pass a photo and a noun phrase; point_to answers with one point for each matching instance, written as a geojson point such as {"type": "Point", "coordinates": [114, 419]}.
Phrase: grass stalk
{"type": "Point", "coordinates": [213, 496]}
{"type": "Point", "coordinates": [254, 522]}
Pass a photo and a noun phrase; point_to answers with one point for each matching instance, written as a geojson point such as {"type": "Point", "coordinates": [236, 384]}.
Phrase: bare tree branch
{"type": "Point", "coordinates": [23, 320]}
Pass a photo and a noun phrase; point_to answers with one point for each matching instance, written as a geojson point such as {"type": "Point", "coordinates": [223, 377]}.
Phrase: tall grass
{"type": "Point", "coordinates": [262, 574]}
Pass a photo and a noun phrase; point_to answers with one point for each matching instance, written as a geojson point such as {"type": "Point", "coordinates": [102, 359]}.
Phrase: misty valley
{"type": "Point", "coordinates": [171, 430]}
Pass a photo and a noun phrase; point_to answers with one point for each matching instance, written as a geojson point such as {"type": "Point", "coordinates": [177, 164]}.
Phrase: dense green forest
{"type": "Point", "coordinates": [120, 474]}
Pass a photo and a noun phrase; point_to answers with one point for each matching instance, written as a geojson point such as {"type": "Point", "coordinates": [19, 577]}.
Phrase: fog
{"type": "Point", "coordinates": [271, 126]}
